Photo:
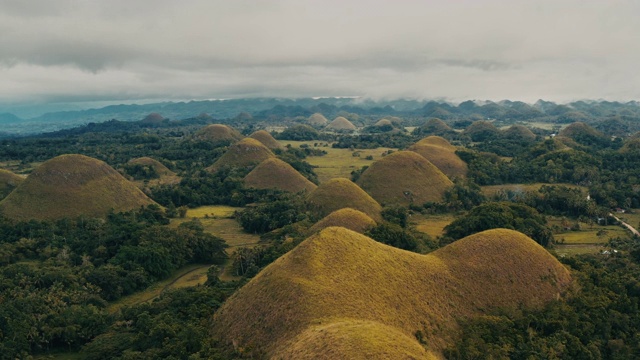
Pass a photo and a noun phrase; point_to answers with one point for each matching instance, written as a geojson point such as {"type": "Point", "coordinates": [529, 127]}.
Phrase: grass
{"type": "Point", "coordinates": [342, 193]}
{"type": "Point", "coordinates": [215, 211]}
{"type": "Point", "coordinates": [348, 218]}
{"type": "Point", "coordinates": [444, 159]}
{"type": "Point", "coordinates": [402, 178]}
{"type": "Point", "coordinates": [344, 279]}
{"type": "Point", "coordinates": [432, 225]}
{"type": "Point", "coordinates": [265, 138]}
{"type": "Point", "coordinates": [71, 186]}
{"type": "Point", "coordinates": [218, 133]}
{"type": "Point", "coordinates": [245, 153]}
{"type": "Point", "coordinates": [571, 250]}
{"type": "Point", "coordinates": [338, 163]}
{"type": "Point", "coordinates": [156, 289]}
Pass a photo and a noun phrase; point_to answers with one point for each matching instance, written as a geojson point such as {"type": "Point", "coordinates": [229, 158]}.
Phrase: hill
{"type": "Point", "coordinates": [444, 159]}
{"type": "Point", "coordinates": [8, 182]}
{"type": "Point", "coordinates": [404, 178]}
{"type": "Point", "coordinates": [341, 193]}
{"type": "Point", "coordinates": [583, 134]}
{"type": "Point", "coordinates": [247, 152]}
{"type": "Point", "coordinates": [347, 218]}
{"type": "Point", "coordinates": [340, 294]}
{"type": "Point", "coordinates": [157, 166]}
{"type": "Point", "coordinates": [519, 132]}
{"type": "Point", "coordinates": [383, 122]}
{"type": "Point", "coordinates": [341, 124]}
{"type": "Point", "coordinates": [435, 126]}
{"type": "Point", "coordinates": [71, 186]}
{"type": "Point", "coordinates": [218, 133]}
{"type": "Point", "coordinates": [274, 173]}
{"type": "Point", "coordinates": [438, 141]}
{"type": "Point", "coordinates": [153, 118]}
{"type": "Point", "coordinates": [317, 120]}
{"type": "Point", "coordinates": [265, 138]}
{"type": "Point", "coordinates": [481, 130]}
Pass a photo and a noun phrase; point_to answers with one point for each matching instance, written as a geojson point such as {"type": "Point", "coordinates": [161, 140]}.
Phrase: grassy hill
{"type": "Point", "coordinates": [341, 124]}
{"type": "Point", "coordinates": [347, 218]}
{"type": "Point", "coordinates": [247, 152]}
{"type": "Point", "coordinates": [341, 193]}
{"type": "Point", "coordinates": [70, 186]}
{"type": "Point", "coordinates": [265, 138]}
{"type": "Point", "coordinates": [8, 182]}
{"type": "Point", "coordinates": [519, 132]}
{"type": "Point", "coordinates": [274, 173]}
{"type": "Point", "coordinates": [218, 133]}
{"type": "Point", "coordinates": [444, 159]}
{"type": "Point", "coordinates": [404, 178]}
{"type": "Point", "coordinates": [317, 120]}
{"type": "Point", "coordinates": [340, 294]}
{"type": "Point", "coordinates": [437, 141]}
{"type": "Point", "coordinates": [159, 168]}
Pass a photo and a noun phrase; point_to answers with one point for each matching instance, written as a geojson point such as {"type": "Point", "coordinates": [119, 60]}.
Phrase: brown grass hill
{"type": "Point", "coordinates": [383, 122]}
{"type": "Point", "coordinates": [519, 132]}
{"type": "Point", "coordinates": [341, 124]}
{"type": "Point", "coordinates": [481, 130]}
{"type": "Point", "coordinates": [156, 165]}
{"type": "Point", "coordinates": [341, 193]}
{"type": "Point", "coordinates": [264, 137]}
{"type": "Point", "coordinates": [274, 173]}
{"type": "Point", "coordinates": [245, 153]}
{"type": "Point", "coordinates": [317, 120]}
{"type": "Point", "coordinates": [583, 134]}
{"type": "Point", "coordinates": [435, 126]}
{"type": "Point", "coordinates": [347, 218]}
{"type": "Point", "coordinates": [444, 159]}
{"type": "Point", "coordinates": [437, 141]}
{"type": "Point", "coordinates": [71, 186]}
{"type": "Point", "coordinates": [153, 118]}
{"type": "Point", "coordinates": [404, 178]}
{"type": "Point", "coordinates": [340, 295]}
{"type": "Point", "coordinates": [218, 134]}
{"type": "Point", "coordinates": [8, 182]}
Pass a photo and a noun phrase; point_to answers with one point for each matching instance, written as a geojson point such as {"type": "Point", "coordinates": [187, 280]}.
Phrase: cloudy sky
{"type": "Point", "coordinates": [75, 50]}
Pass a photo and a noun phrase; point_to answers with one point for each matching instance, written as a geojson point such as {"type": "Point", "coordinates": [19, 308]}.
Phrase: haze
{"type": "Point", "coordinates": [70, 51]}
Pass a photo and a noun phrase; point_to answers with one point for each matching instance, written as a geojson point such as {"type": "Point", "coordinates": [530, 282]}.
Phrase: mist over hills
{"type": "Point", "coordinates": [270, 108]}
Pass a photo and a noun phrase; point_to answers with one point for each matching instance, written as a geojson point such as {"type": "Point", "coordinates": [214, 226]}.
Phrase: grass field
{"type": "Point", "coordinates": [174, 281]}
{"type": "Point", "coordinates": [431, 225]}
{"type": "Point", "coordinates": [337, 162]}
{"type": "Point", "coordinates": [217, 211]}
{"type": "Point", "coordinates": [491, 190]}
{"type": "Point", "coordinates": [570, 250]}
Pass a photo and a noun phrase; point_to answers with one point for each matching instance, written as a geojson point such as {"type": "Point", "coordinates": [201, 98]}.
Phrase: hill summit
{"type": "Point", "coordinates": [264, 137]}
{"type": "Point", "coordinates": [71, 186]}
{"type": "Point", "coordinates": [340, 294]}
{"type": "Point", "coordinates": [274, 173]}
{"type": "Point", "coordinates": [317, 120]}
{"type": "Point", "coordinates": [247, 152]}
{"type": "Point", "coordinates": [8, 182]}
{"type": "Point", "coordinates": [404, 178]}
{"type": "Point", "coordinates": [443, 157]}
{"type": "Point", "coordinates": [341, 193]}
{"type": "Point", "coordinates": [341, 124]}
{"type": "Point", "coordinates": [347, 218]}
{"type": "Point", "coordinates": [218, 133]}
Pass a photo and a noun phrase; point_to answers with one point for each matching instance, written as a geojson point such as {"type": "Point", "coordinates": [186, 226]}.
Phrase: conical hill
{"type": "Point", "coordinates": [317, 120]}
{"type": "Point", "coordinates": [341, 193]}
{"type": "Point", "coordinates": [274, 173]}
{"type": "Point", "coordinates": [445, 160]}
{"type": "Point", "coordinates": [246, 153]}
{"type": "Point", "coordinates": [219, 134]}
{"type": "Point", "coordinates": [341, 124]}
{"type": "Point", "coordinates": [519, 132]}
{"type": "Point", "coordinates": [347, 218]}
{"type": "Point", "coordinates": [265, 138]}
{"type": "Point", "coordinates": [437, 141]}
{"type": "Point", "coordinates": [338, 293]}
{"type": "Point", "coordinates": [8, 182]}
{"type": "Point", "coordinates": [70, 186]}
{"type": "Point", "coordinates": [157, 166]}
{"type": "Point", "coordinates": [404, 178]}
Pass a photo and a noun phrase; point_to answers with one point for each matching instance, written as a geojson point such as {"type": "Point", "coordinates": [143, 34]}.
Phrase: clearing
{"type": "Point", "coordinates": [432, 225]}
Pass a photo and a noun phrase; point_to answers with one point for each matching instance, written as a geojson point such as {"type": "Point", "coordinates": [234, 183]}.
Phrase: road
{"type": "Point", "coordinates": [631, 228]}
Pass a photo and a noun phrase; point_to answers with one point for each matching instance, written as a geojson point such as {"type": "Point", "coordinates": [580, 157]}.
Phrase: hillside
{"type": "Point", "coordinates": [71, 186]}
{"type": "Point", "coordinates": [218, 133]}
{"type": "Point", "coordinates": [404, 178]}
{"type": "Point", "coordinates": [274, 173]}
{"type": "Point", "coordinates": [444, 159]}
{"type": "Point", "coordinates": [341, 124]}
{"type": "Point", "coordinates": [340, 294]}
{"type": "Point", "coordinates": [247, 152]}
{"type": "Point", "coordinates": [341, 193]}
{"type": "Point", "coordinates": [347, 218]}
{"type": "Point", "coordinates": [265, 138]}
{"type": "Point", "coordinates": [437, 141]}
{"type": "Point", "coordinates": [519, 132]}
{"type": "Point", "coordinates": [8, 182]}
{"type": "Point", "coordinates": [157, 166]}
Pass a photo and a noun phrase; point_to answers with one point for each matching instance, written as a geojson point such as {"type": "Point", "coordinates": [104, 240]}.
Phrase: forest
{"type": "Point", "coordinates": [60, 278]}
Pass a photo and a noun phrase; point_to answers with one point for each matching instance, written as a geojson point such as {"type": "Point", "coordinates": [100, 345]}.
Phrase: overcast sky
{"type": "Point", "coordinates": [561, 50]}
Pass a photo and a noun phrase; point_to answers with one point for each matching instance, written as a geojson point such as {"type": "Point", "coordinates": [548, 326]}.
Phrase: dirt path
{"type": "Point", "coordinates": [631, 228]}
{"type": "Point", "coordinates": [166, 287]}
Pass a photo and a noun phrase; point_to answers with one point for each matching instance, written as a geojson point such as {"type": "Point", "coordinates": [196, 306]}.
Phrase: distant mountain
{"type": "Point", "coordinates": [9, 118]}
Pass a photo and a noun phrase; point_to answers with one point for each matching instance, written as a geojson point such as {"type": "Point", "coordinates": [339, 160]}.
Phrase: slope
{"type": "Point", "coordinates": [444, 159]}
{"type": "Point", "coordinates": [274, 173]}
{"type": "Point", "coordinates": [347, 218]}
{"type": "Point", "coordinates": [341, 193]}
{"type": "Point", "coordinates": [265, 138]}
{"type": "Point", "coordinates": [8, 182]}
{"type": "Point", "coordinates": [247, 152]}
